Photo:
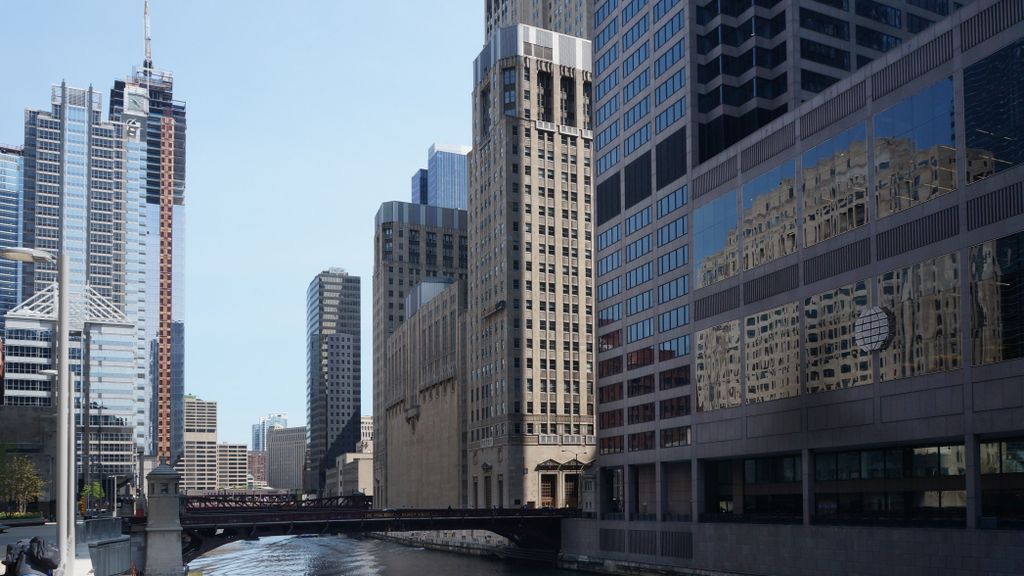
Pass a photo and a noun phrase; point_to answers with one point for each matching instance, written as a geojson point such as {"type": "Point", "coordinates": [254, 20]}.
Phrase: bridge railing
{"type": "Point", "coordinates": [242, 502]}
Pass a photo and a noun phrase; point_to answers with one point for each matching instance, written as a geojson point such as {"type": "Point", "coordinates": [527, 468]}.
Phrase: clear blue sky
{"type": "Point", "coordinates": [303, 116]}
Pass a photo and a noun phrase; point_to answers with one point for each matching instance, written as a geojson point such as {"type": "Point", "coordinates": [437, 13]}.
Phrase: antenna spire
{"type": "Point", "coordinates": [148, 62]}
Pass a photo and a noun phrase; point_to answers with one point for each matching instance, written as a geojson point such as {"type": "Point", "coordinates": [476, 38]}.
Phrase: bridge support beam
{"type": "Point", "coordinates": [163, 525]}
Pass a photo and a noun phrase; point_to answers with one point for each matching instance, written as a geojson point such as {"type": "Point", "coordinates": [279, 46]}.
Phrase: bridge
{"type": "Point", "coordinates": [208, 522]}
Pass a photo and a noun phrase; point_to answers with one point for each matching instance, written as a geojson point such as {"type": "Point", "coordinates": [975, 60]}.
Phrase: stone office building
{"type": "Point", "coordinates": [824, 375]}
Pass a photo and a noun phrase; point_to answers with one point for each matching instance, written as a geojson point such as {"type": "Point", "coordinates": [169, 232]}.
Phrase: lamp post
{"type": "Point", "coordinates": [65, 411]}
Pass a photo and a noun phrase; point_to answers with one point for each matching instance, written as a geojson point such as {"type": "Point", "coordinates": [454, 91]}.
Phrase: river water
{"type": "Point", "coordinates": [341, 555]}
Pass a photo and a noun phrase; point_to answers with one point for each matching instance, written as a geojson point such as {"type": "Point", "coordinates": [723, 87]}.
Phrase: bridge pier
{"type": "Point", "coordinates": [163, 524]}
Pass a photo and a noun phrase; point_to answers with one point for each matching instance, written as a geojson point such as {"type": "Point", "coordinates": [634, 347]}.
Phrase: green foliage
{"type": "Point", "coordinates": [19, 481]}
{"type": "Point", "coordinates": [93, 490]}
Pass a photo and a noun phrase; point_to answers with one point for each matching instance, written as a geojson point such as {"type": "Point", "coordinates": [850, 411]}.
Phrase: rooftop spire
{"type": "Point", "coordinates": [148, 62]}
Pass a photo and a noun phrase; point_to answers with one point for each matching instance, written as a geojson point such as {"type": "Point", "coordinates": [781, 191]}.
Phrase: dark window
{"type": "Point", "coordinates": [637, 178]}
{"type": "Point", "coordinates": [815, 82]}
{"type": "Point", "coordinates": [940, 7]}
{"type": "Point", "coordinates": [915, 23]}
{"type": "Point", "coordinates": [670, 161]}
{"type": "Point", "coordinates": [870, 38]}
{"type": "Point", "coordinates": [824, 24]}
{"type": "Point", "coordinates": [827, 55]}
{"type": "Point", "coordinates": [994, 112]}
{"type": "Point", "coordinates": [609, 199]}
{"type": "Point", "coordinates": [840, 4]}
{"type": "Point", "coordinates": [880, 13]}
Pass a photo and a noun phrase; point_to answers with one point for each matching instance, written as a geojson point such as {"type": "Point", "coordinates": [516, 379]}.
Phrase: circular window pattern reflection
{"type": "Point", "coordinates": [873, 329]}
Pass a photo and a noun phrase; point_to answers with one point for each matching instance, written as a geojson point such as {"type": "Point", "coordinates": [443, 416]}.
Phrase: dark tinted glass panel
{"type": "Point", "coordinates": [637, 180]}
{"type": "Point", "coordinates": [609, 200]}
{"type": "Point", "coordinates": [822, 54]}
{"type": "Point", "coordinates": [994, 112]}
{"type": "Point", "coordinates": [870, 38]}
{"type": "Point", "coordinates": [997, 297]}
{"type": "Point", "coordinates": [880, 13]}
{"type": "Point", "coordinates": [815, 82]}
{"type": "Point", "coordinates": [671, 158]}
{"type": "Point", "coordinates": [824, 24]}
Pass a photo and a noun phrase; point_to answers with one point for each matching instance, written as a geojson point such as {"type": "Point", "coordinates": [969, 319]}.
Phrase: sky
{"type": "Point", "coordinates": [303, 117]}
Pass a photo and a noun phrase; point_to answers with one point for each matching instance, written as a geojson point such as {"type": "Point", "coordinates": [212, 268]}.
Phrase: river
{"type": "Point", "coordinates": [340, 555]}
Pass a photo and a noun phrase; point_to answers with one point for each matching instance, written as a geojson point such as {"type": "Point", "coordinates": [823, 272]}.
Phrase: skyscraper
{"type": "Point", "coordinates": [419, 187]}
{"type": "Point", "coordinates": [412, 243]}
{"type": "Point", "coordinates": [12, 176]}
{"type": "Point", "coordinates": [778, 327]}
{"type": "Point", "coordinates": [198, 466]}
{"type": "Point", "coordinates": [530, 293]}
{"type": "Point", "coordinates": [286, 449]}
{"type": "Point", "coordinates": [446, 176]}
{"type": "Point", "coordinates": [571, 17]}
{"type": "Point", "coordinates": [259, 430]}
{"type": "Point", "coordinates": [145, 101]}
{"type": "Point", "coordinates": [332, 369]}
{"type": "Point", "coordinates": [82, 197]}
{"type": "Point", "coordinates": [443, 183]}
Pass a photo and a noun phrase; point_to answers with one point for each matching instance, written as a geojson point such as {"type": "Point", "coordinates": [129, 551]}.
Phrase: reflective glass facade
{"type": "Point", "coordinates": [12, 176]}
{"type": "Point", "coordinates": [855, 318]}
{"type": "Point", "coordinates": [446, 176]}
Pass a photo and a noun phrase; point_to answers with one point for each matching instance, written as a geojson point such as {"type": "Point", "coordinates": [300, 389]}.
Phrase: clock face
{"type": "Point", "coordinates": [135, 103]}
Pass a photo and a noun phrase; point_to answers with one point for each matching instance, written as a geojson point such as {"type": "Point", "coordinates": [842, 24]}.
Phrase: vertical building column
{"type": "Point", "coordinates": [659, 490]}
{"type": "Point", "coordinates": [737, 487]}
{"type": "Point", "coordinates": [807, 473]}
{"type": "Point", "coordinates": [972, 457]}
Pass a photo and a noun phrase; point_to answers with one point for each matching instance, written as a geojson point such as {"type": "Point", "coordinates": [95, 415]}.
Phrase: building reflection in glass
{"type": "Point", "coordinates": [772, 352]}
{"type": "Point", "coordinates": [718, 367]}
{"type": "Point", "coordinates": [715, 245]}
{"type": "Point", "coordinates": [997, 300]}
{"type": "Point", "coordinates": [993, 122]}
{"type": "Point", "coordinates": [925, 303]}
{"type": "Point", "coordinates": [769, 216]}
{"type": "Point", "coordinates": [835, 183]}
{"type": "Point", "coordinates": [915, 149]}
{"type": "Point", "coordinates": [834, 360]}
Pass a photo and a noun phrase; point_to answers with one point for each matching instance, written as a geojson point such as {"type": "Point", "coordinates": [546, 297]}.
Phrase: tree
{"type": "Point", "coordinates": [92, 491]}
{"type": "Point", "coordinates": [19, 481]}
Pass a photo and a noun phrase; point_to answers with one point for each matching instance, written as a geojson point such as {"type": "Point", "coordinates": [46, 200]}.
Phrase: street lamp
{"type": "Point", "coordinates": [65, 412]}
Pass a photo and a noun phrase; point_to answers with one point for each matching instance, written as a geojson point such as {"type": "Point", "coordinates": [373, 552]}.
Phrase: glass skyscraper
{"type": "Point", "coordinates": [419, 187]}
{"type": "Point", "coordinates": [12, 168]}
{"type": "Point", "coordinates": [146, 99]}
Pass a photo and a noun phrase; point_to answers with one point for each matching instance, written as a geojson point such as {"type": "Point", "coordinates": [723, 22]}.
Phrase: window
{"type": "Point", "coordinates": [674, 348]}
{"type": "Point", "coordinates": [997, 297]}
{"type": "Point", "coordinates": [638, 220]}
{"type": "Point", "coordinates": [718, 367]}
{"type": "Point", "coordinates": [639, 331]}
{"type": "Point", "coordinates": [823, 24]}
{"type": "Point", "coordinates": [670, 86]}
{"type": "Point", "coordinates": [772, 353]}
{"type": "Point", "coordinates": [992, 112]}
{"type": "Point", "coordinates": [609, 263]}
{"type": "Point", "coordinates": [835, 175]}
{"type": "Point", "coordinates": [915, 150]}
{"type": "Point", "coordinates": [638, 248]}
{"type": "Point", "coordinates": [609, 341]}
{"type": "Point", "coordinates": [641, 441]}
{"type": "Point", "coordinates": [769, 216]}
{"type": "Point", "coordinates": [715, 251]}
{"type": "Point", "coordinates": [609, 393]}
{"type": "Point", "coordinates": [674, 318]}
{"type": "Point", "coordinates": [871, 38]}
{"type": "Point", "coordinates": [668, 59]}
{"type": "Point", "coordinates": [669, 29]}
{"type": "Point", "coordinates": [640, 386]}
{"type": "Point", "coordinates": [607, 109]}
{"type": "Point", "coordinates": [673, 289]}
{"type": "Point", "coordinates": [634, 33]}
{"type": "Point", "coordinates": [638, 275]}
{"type": "Point", "coordinates": [634, 114]}
{"type": "Point", "coordinates": [605, 35]}
{"type": "Point", "coordinates": [668, 116]}
{"type": "Point", "coordinates": [833, 359]}
{"type": "Point", "coordinates": [606, 85]}
{"type": "Point", "coordinates": [824, 54]}
{"type": "Point", "coordinates": [606, 60]}
{"type": "Point", "coordinates": [672, 230]}
{"type": "Point", "coordinates": [636, 139]}
{"type": "Point", "coordinates": [674, 259]}
{"type": "Point", "coordinates": [641, 413]}
{"type": "Point", "coordinates": [608, 237]}
{"type": "Point", "coordinates": [673, 437]}
{"type": "Point", "coordinates": [635, 86]}
{"type": "Point", "coordinates": [674, 378]}
{"type": "Point", "coordinates": [638, 303]}
{"type": "Point", "coordinates": [879, 12]}
{"type": "Point", "coordinates": [924, 300]}
{"type": "Point", "coordinates": [672, 201]}
{"type": "Point", "coordinates": [635, 59]}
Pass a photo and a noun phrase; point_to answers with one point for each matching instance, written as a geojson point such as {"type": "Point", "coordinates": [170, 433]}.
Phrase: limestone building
{"type": "Point", "coordinates": [529, 400]}
{"type": "Point", "coordinates": [198, 468]}
{"type": "Point", "coordinates": [424, 419]}
{"type": "Point", "coordinates": [413, 243]}
{"type": "Point", "coordinates": [232, 466]}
